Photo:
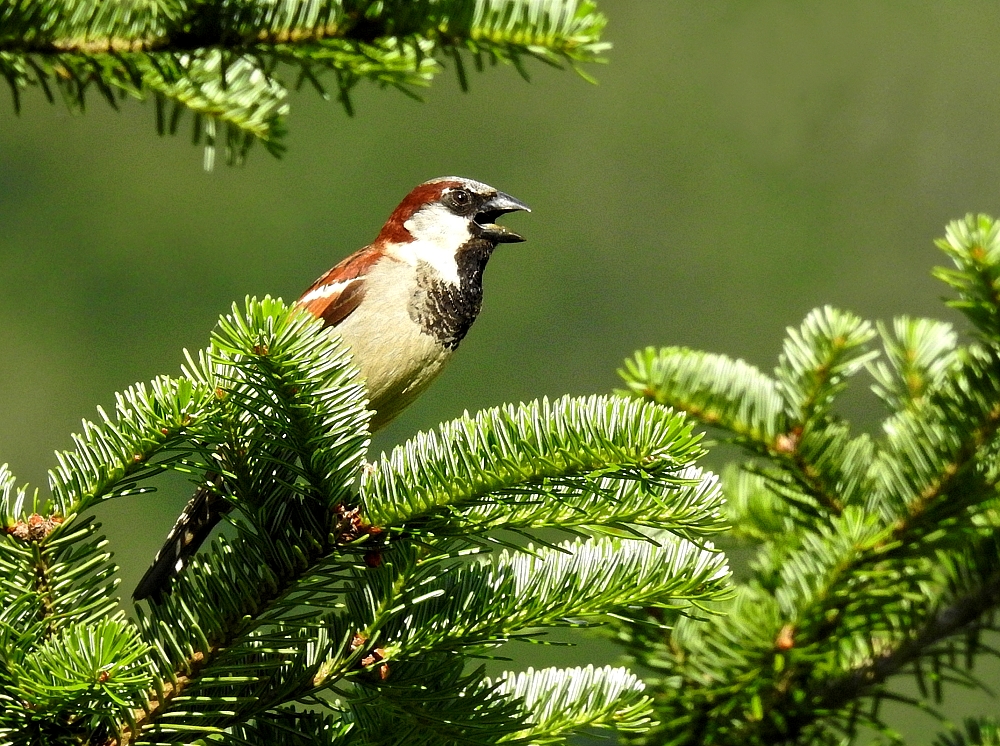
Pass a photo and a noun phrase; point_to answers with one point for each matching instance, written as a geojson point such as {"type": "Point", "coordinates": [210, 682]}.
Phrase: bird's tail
{"type": "Point", "coordinates": [203, 511]}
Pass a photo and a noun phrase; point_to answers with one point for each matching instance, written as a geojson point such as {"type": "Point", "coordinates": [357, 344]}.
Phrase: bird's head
{"type": "Point", "coordinates": [441, 217]}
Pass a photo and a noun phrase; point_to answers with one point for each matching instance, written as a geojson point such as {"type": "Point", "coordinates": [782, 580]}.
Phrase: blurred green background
{"type": "Point", "coordinates": [738, 164]}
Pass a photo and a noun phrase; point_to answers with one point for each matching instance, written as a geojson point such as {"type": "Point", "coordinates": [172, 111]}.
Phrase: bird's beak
{"type": "Point", "coordinates": [496, 206]}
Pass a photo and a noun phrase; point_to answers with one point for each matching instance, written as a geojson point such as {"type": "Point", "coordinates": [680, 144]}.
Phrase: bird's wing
{"type": "Point", "coordinates": [335, 295]}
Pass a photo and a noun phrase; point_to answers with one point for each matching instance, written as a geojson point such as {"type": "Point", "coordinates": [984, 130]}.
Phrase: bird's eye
{"type": "Point", "coordinates": [461, 197]}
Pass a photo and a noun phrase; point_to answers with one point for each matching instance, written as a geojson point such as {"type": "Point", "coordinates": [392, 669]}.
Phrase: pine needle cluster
{"type": "Point", "coordinates": [231, 63]}
{"type": "Point", "coordinates": [351, 602]}
{"type": "Point", "coordinates": [874, 555]}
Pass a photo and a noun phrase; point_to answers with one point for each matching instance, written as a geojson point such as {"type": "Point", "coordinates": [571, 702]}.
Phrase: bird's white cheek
{"type": "Point", "coordinates": [437, 235]}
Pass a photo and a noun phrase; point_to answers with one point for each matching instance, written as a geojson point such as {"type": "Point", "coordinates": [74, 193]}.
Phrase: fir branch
{"type": "Point", "coordinates": [959, 617]}
{"type": "Point", "coordinates": [738, 398]}
{"type": "Point", "coordinates": [853, 582]}
{"type": "Point", "coordinates": [934, 452]}
{"type": "Point", "coordinates": [904, 577]}
{"type": "Point", "coordinates": [551, 707]}
{"type": "Point", "coordinates": [102, 661]}
{"type": "Point", "coordinates": [309, 599]}
{"type": "Point", "coordinates": [817, 360]}
{"type": "Point", "coordinates": [919, 355]}
{"type": "Point", "coordinates": [280, 367]}
{"type": "Point", "coordinates": [264, 373]}
{"type": "Point", "coordinates": [504, 450]}
{"type": "Point", "coordinates": [753, 508]}
{"type": "Point", "coordinates": [973, 244]}
{"type": "Point", "coordinates": [486, 604]}
{"type": "Point", "coordinates": [220, 60]}
{"type": "Point", "coordinates": [689, 504]}
{"type": "Point", "coordinates": [291, 727]}
{"type": "Point", "coordinates": [962, 615]}
{"type": "Point", "coordinates": [55, 556]}
{"type": "Point", "coordinates": [557, 27]}
{"type": "Point", "coordinates": [432, 701]}
{"type": "Point", "coordinates": [225, 91]}
{"type": "Point", "coordinates": [814, 366]}
{"type": "Point", "coordinates": [714, 389]}
{"type": "Point", "coordinates": [80, 682]}
{"type": "Point", "coordinates": [414, 603]}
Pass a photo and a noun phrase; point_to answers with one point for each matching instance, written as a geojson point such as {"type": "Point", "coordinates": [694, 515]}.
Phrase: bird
{"type": "Point", "coordinates": [402, 304]}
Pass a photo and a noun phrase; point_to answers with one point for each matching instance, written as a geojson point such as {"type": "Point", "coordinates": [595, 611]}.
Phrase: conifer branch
{"type": "Point", "coordinates": [714, 389]}
{"type": "Point", "coordinates": [960, 617]}
{"type": "Point", "coordinates": [56, 562]}
{"type": "Point", "coordinates": [904, 575]}
{"type": "Point", "coordinates": [572, 442]}
{"type": "Point", "coordinates": [973, 246]}
{"type": "Point", "coordinates": [268, 367]}
{"type": "Point", "coordinates": [919, 355]}
{"type": "Point", "coordinates": [817, 360]}
{"type": "Point", "coordinates": [688, 504]}
{"type": "Point", "coordinates": [312, 600]}
{"type": "Point", "coordinates": [433, 702]}
{"type": "Point", "coordinates": [223, 61]}
{"type": "Point", "coordinates": [738, 398]}
{"type": "Point", "coordinates": [549, 587]}
{"type": "Point", "coordinates": [551, 709]}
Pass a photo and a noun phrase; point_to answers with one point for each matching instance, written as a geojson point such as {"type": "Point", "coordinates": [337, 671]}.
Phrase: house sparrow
{"type": "Point", "coordinates": [403, 303]}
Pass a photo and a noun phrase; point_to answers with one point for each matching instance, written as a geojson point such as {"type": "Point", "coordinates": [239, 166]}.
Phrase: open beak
{"type": "Point", "coordinates": [498, 205]}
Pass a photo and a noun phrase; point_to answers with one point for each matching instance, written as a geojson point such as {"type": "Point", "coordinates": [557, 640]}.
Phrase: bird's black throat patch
{"type": "Point", "coordinates": [446, 310]}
